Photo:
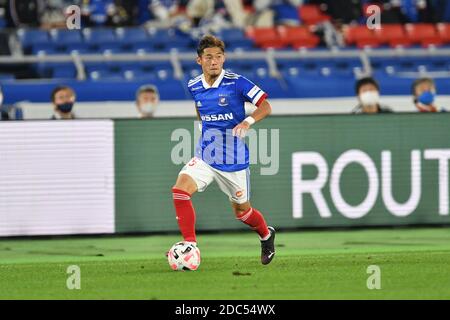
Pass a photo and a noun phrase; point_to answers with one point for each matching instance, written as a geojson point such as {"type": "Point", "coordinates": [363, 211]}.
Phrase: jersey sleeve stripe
{"type": "Point", "coordinates": [257, 97]}
{"type": "Point", "coordinates": [261, 100]}
{"type": "Point", "coordinates": [253, 91]}
{"type": "Point", "coordinates": [190, 84]}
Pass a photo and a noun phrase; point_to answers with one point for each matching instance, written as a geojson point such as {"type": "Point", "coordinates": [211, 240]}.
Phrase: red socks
{"type": "Point", "coordinates": [186, 217]}
{"type": "Point", "coordinates": [255, 219]}
{"type": "Point", "coordinates": [185, 214]}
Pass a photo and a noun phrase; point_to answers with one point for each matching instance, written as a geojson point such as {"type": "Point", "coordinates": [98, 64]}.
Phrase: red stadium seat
{"type": "Point", "coordinates": [444, 31]}
{"type": "Point", "coordinates": [361, 36]}
{"type": "Point", "coordinates": [424, 34]}
{"type": "Point", "coordinates": [298, 37]}
{"type": "Point", "coordinates": [393, 34]}
{"type": "Point", "coordinates": [265, 37]}
{"type": "Point", "coordinates": [311, 14]}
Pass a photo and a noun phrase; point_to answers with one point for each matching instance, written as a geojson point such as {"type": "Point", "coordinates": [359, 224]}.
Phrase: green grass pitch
{"type": "Point", "coordinates": [414, 264]}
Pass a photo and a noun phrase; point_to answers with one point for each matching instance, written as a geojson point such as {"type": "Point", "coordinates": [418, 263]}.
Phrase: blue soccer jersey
{"type": "Point", "coordinates": [221, 108]}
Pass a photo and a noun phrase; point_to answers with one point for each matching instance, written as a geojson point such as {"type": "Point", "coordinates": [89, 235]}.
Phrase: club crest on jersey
{"type": "Point", "coordinates": [223, 101]}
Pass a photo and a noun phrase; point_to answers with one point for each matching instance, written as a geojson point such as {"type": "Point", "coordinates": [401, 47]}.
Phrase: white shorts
{"type": "Point", "coordinates": [234, 184]}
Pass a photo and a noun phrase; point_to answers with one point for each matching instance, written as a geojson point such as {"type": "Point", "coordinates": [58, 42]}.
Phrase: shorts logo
{"type": "Point", "coordinates": [239, 193]}
{"type": "Point", "coordinates": [223, 101]}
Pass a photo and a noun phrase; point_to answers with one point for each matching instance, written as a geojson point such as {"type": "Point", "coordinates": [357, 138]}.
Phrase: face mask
{"type": "Point", "coordinates": [426, 98]}
{"type": "Point", "coordinates": [369, 98]}
{"type": "Point", "coordinates": [148, 107]}
{"type": "Point", "coordinates": [65, 107]}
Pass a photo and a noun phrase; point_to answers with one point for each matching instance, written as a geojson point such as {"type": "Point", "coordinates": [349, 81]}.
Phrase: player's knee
{"type": "Point", "coordinates": [185, 184]}
{"type": "Point", "coordinates": [240, 209]}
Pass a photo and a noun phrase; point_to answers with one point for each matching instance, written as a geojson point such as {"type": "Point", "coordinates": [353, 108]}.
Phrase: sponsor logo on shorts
{"type": "Point", "coordinates": [239, 193]}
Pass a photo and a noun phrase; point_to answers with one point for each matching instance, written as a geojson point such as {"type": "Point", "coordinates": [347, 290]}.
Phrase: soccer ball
{"type": "Point", "coordinates": [184, 256]}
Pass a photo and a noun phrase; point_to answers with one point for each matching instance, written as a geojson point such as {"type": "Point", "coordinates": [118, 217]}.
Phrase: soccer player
{"type": "Point", "coordinates": [222, 155]}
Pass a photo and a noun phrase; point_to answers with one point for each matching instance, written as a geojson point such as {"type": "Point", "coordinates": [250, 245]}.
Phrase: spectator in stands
{"type": "Point", "coordinates": [63, 99]}
{"type": "Point", "coordinates": [283, 12]}
{"type": "Point", "coordinates": [341, 11]}
{"type": "Point", "coordinates": [9, 112]}
{"type": "Point", "coordinates": [115, 13]}
{"type": "Point", "coordinates": [147, 99]}
{"type": "Point", "coordinates": [52, 14]}
{"type": "Point", "coordinates": [161, 13]}
{"type": "Point", "coordinates": [368, 92]}
{"type": "Point", "coordinates": [424, 93]}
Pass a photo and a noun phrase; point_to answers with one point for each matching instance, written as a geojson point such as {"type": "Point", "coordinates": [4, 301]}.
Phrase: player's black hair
{"type": "Point", "coordinates": [60, 88]}
{"type": "Point", "coordinates": [210, 41]}
{"type": "Point", "coordinates": [364, 81]}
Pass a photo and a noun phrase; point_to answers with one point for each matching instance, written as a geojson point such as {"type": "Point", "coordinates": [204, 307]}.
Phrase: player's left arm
{"type": "Point", "coordinates": [264, 109]}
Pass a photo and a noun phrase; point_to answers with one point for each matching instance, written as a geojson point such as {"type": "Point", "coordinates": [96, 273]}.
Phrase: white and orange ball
{"type": "Point", "coordinates": [184, 256]}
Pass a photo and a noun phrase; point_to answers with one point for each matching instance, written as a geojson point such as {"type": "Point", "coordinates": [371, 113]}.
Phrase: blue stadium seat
{"type": "Point", "coordinates": [235, 38]}
{"type": "Point", "coordinates": [29, 37]}
{"type": "Point", "coordinates": [64, 71]}
{"type": "Point", "coordinates": [55, 70]}
{"type": "Point", "coordinates": [165, 39]}
{"type": "Point", "coordinates": [63, 36]}
{"type": "Point", "coordinates": [113, 47]}
{"type": "Point", "coordinates": [80, 48]}
{"type": "Point", "coordinates": [42, 48]}
{"type": "Point", "coordinates": [139, 74]}
{"type": "Point", "coordinates": [132, 35]}
{"type": "Point", "coordinates": [104, 75]}
{"type": "Point", "coordinates": [99, 36]}
{"type": "Point", "coordinates": [142, 47]}
{"type": "Point", "coordinates": [244, 66]}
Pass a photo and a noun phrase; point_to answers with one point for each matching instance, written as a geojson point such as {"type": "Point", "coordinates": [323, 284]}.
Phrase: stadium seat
{"type": "Point", "coordinates": [245, 67]}
{"type": "Point", "coordinates": [62, 36]}
{"type": "Point", "coordinates": [311, 14]}
{"type": "Point", "coordinates": [444, 31]}
{"type": "Point", "coordinates": [64, 71]}
{"type": "Point", "coordinates": [298, 37]}
{"type": "Point", "coordinates": [361, 36]}
{"type": "Point", "coordinates": [169, 38]}
{"type": "Point", "coordinates": [111, 48]}
{"type": "Point", "coordinates": [55, 70]}
{"type": "Point", "coordinates": [80, 48]}
{"type": "Point", "coordinates": [99, 35]}
{"type": "Point", "coordinates": [132, 35]}
{"type": "Point", "coordinates": [231, 34]}
{"type": "Point", "coordinates": [43, 49]}
{"type": "Point", "coordinates": [30, 37]}
{"type": "Point", "coordinates": [265, 37]}
{"type": "Point", "coordinates": [142, 48]}
{"type": "Point", "coordinates": [105, 75]}
{"type": "Point", "coordinates": [393, 34]}
{"type": "Point", "coordinates": [424, 34]}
